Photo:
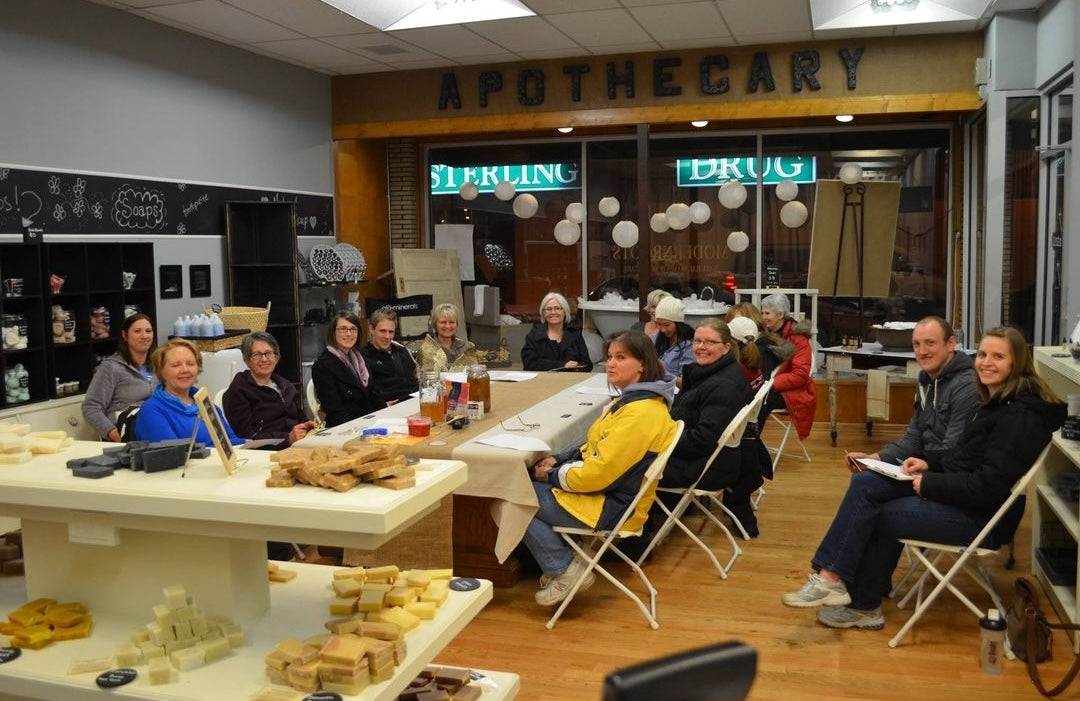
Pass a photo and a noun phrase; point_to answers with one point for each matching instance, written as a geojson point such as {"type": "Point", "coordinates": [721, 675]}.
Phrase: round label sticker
{"type": "Point", "coordinates": [7, 654]}
{"type": "Point", "coordinates": [464, 584]}
{"type": "Point", "coordinates": [323, 696]}
{"type": "Point", "coordinates": [116, 677]}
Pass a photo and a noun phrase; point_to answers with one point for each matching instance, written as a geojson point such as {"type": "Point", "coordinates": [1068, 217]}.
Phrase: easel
{"type": "Point", "coordinates": [854, 196]}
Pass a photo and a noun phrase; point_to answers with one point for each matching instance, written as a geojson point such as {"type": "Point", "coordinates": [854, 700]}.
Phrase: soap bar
{"type": "Point", "coordinates": [93, 471]}
{"type": "Point", "coordinates": [160, 670]}
{"type": "Point", "coordinates": [93, 664]}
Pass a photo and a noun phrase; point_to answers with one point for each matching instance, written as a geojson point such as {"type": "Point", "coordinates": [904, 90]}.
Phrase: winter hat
{"type": "Point", "coordinates": [670, 308]}
{"type": "Point", "coordinates": [742, 328]}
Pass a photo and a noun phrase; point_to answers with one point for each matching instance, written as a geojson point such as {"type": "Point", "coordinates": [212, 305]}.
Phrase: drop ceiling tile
{"type": "Point", "coordinates": [415, 65]}
{"type": "Point", "coordinates": [185, 27]}
{"type": "Point", "coordinates": [312, 18]}
{"type": "Point", "coordinates": [550, 7]}
{"type": "Point", "coordinates": [569, 52]}
{"type": "Point", "coordinates": [524, 34]}
{"type": "Point", "coordinates": [691, 20]}
{"type": "Point", "coordinates": [602, 28]}
{"type": "Point", "coordinates": [937, 28]}
{"type": "Point", "coordinates": [382, 47]}
{"type": "Point", "coordinates": [452, 41]}
{"type": "Point", "coordinates": [775, 38]}
{"type": "Point", "coordinates": [625, 48]}
{"type": "Point", "coordinates": [310, 51]}
{"type": "Point", "coordinates": [765, 17]}
{"type": "Point", "coordinates": [211, 16]}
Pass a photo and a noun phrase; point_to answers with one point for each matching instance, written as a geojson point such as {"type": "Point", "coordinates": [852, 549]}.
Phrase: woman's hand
{"type": "Point", "coordinates": [916, 484]}
{"type": "Point", "coordinates": [114, 435]}
{"type": "Point", "coordinates": [542, 467]}
{"type": "Point", "coordinates": [300, 430]}
{"type": "Point", "coordinates": [914, 466]}
{"type": "Point", "coordinates": [571, 364]}
{"type": "Point", "coordinates": [852, 465]}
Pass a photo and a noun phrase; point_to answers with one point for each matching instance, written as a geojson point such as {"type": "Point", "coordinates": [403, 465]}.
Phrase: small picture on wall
{"type": "Point", "coordinates": [171, 281]}
{"type": "Point", "coordinates": [199, 280]}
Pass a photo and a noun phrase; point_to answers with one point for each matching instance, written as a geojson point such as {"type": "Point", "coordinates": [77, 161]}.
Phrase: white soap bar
{"type": "Point", "coordinates": [160, 670]}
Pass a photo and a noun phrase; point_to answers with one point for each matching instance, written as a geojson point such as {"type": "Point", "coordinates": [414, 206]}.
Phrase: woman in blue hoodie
{"type": "Point", "coordinates": [591, 485]}
{"type": "Point", "coordinates": [170, 412]}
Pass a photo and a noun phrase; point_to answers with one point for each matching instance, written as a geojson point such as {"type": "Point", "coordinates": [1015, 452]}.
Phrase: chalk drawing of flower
{"type": "Point", "coordinates": [54, 185]}
{"type": "Point", "coordinates": [181, 186]}
{"type": "Point", "coordinates": [79, 188]}
{"type": "Point", "coordinates": [4, 172]}
{"type": "Point", "coordinates": [58, 213]}
{"type": "Point", "coordinates": [181, 229]}
{"type": "Point", "coordinates": [97, 210]}
{"type": "Point", "coordinates": [78, 208]}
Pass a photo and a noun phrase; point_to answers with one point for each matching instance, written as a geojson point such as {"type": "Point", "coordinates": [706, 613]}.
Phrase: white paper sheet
{"type": "Point", "coordinates": [519, 442]}
{"type": "Point", "coordinates": [602, 391]}
{"type": "Point", "coordinates": [510, 375]}
{"type": "Point", "coordinates": [884, 468]}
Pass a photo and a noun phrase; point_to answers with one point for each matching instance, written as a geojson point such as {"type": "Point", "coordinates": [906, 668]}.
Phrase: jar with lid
{"type": "Point", "coordinates": [432, 404]}
{"type": "Point", "coordinates": [480, 386]}
{"type": "Point", "coordinates": [14, 331]}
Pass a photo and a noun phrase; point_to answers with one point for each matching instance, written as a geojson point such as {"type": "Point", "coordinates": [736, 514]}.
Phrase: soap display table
{"type": "Point", "coordinates": [114, 543]}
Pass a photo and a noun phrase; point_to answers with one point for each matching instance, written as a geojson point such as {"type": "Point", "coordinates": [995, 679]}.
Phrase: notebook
{"type": "Point", "coordinates": [884, 468]}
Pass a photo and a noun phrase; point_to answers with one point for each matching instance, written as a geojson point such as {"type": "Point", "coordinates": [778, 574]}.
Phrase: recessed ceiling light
{"type": "Point", "coordinates": [565, 130]}
{"type": "Point", "coordinates": [845, 118]}
{"type": "Point", "coordinates": [388, 15]}
{"type": "Point", "coordinates": [699, 123]}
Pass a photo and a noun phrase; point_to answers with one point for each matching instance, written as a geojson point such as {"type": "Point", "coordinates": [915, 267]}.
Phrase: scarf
{"type": "Point", "coordinates": [352, 360]}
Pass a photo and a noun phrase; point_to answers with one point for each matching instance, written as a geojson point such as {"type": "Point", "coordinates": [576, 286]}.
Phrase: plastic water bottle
{"type": "Point", "coordinates": [991, 641]}
{"type": "Point", "coordinates": [178, 327]}
{"type": "Point", "coordinates": [218, 325]}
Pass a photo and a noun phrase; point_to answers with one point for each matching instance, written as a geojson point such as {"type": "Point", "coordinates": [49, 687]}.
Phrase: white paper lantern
{"type": "Point", "coordinates": [575, 212]}
{"type": "Point", "coordinates": [678, 216]}
{"type": "Point", "coordinates": [700, 212]}
{"type": "Point", "coordinates": [504, 190]}
{"type": "Point", "coordinates": [567, 232]}
{"type": "Point", "coordinates": [851, 173]}
{"type": "Point", "coordinates": [468, 191]}
{"type": "Point", "coordinates": [732, 194]}
{"type": "Point", "coordinates": [738, 241]}
{"type": "Point", "coordinates": [625, 233]}
{"type": "Point", "coordinates": [786, 190]}
{"type": "Point", "coordinates": [793, 214]}
{"type": "Point", "coordinates": [525, 205]}
{"type": "Point", "coordinates": [659, 223]}
{"type": "Point", "coordinates": [609, 206]}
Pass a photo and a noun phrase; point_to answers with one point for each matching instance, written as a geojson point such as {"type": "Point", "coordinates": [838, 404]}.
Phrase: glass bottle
{"type": "Point", "coordinates": [431, 397]}
{"type": "Point", "coordinates": [480, 386]}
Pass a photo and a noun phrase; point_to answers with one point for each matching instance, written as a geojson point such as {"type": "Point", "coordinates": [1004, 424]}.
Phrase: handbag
{"type": "Point", "coordinates": [1031, 636]}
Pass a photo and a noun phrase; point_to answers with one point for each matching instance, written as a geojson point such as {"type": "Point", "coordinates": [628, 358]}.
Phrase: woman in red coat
{"type": "Point", "coordinates": [794, 380]}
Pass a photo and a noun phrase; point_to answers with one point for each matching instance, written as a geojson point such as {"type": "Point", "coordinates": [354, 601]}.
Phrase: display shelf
{"type": "Point", "coordinates": [298, 610]}
{"type": "Point", "coordinates": [1064, 511]}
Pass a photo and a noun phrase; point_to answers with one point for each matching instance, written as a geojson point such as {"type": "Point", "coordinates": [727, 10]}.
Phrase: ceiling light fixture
{"type": "Point", "coordinates": [699, 123]}
{"type": "Point", "coordinates": [565, 130]}
{"type": "Point", "coordinates": [845, 118]}
{"type": "Point", "coordinates": [893, 5]}
{"type": "Point", "coordinates": [389, 15]}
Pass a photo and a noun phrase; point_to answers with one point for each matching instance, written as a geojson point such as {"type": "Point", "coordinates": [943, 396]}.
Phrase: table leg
{"type": "Point", "coordinates": [830, 374]}
{"type": "Point", "coordinates": [869, 427]}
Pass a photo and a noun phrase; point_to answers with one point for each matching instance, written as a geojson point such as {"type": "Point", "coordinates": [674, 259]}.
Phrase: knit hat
{"type": "Point", "coordinates": [670, 308]}
{"type": "Point", "coordinates": [742, 327]}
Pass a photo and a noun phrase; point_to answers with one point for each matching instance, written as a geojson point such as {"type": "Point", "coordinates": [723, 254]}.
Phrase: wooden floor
{"type": "Point", "coordinates": [798, 658]}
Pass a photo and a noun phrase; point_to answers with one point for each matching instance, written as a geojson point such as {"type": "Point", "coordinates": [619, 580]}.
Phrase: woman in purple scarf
{"type": "Point", "coordinates": [343, 385]}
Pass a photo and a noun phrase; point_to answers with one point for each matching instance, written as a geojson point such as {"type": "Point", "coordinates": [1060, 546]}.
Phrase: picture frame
{"type": "Point", "coordinates": [210, 417]}
{"type": "Point", "coordinates": [170, 281]}
{"type": "Point", "coordinates": [199, 280]}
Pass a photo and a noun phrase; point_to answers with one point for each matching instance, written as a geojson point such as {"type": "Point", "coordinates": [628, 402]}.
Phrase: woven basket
{"type": "Point", "coordinates": [212, 345]}
{"type": "Point", "coordinates": [250, 318]}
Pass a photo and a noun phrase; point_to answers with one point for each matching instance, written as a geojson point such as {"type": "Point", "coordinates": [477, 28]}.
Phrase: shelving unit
{"type": "Point", "coordinates": [262, 268]}
{"type": "Point", "coordinates": [1055, 524]}
{"type": "Point", "coordinates": [93, 277]}
{"type": "Point", "coordinates": [151, 530]}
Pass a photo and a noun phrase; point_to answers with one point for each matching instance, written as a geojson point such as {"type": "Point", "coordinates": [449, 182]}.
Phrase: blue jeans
{"type": "Point", "coordinates": [861, 545]}
{"type": "Point", "coordinates": [547, 546]}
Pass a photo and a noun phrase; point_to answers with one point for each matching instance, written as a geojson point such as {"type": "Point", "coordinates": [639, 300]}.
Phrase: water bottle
{"type": "Point", "coordinates": [203, 325]}
{"type": "Point", "coordinates": [991, 641]}
{"type": "Point", "coordinates": [179, 328]}
{"type": "Point", "coordinates": [218, 325]}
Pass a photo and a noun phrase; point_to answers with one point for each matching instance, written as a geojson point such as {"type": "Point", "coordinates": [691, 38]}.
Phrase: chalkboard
{"type": "Point", "coordinates": [81, 203]}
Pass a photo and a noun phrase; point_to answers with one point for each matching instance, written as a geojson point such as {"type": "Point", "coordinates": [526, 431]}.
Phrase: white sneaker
{"type": "Point", "coordinates": [817, 592]}
{"type": "Point", "coordinates": [558, 586]}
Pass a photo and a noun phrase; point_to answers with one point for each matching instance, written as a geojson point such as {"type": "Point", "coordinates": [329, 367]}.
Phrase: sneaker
{"type": "Point", "coordinates": [847, 617]}
{"type": "Point", "coordinates": [817, 592]}
{"type": "Point", "coordinates": [556, 588]}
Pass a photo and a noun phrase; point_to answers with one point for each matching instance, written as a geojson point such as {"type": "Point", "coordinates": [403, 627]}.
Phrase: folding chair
{"type": "Point", "coordinates": [730, 437]}
{"type": "Point", "coordinates": [789, 432]}
{"type": "Point", "coordinates": [313, 403]}
{"type": "Point", "coordinates": [759, 403]}
{"type": "Point", "coordinates": [607, 540]}
{"type": "Point", "coordinates": [997, 532]}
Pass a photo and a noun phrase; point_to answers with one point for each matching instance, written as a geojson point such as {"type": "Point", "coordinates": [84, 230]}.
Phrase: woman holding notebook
{"type": "Point", "coordinates": [949, 499]}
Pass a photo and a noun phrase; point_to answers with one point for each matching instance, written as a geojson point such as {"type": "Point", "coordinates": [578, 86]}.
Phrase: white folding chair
{"type": "Point", "coordinates": [313, 402]}
{"type": "Point", "coordinates": [603, 541]}
{"type": "Point", "coordinates": [788, 427]}
{"type": "Point", "coordinates": [962, 556]}
{"type": "Point", "coordinates": [759, 404]}
{"type": "Point", "coordinates": [704, 499]}
{"type": "Point", "coordinates": [217, 397]}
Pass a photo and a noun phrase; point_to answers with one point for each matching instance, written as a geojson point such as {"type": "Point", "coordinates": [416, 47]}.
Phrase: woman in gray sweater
{"type": "Point", "coordinates": [123, 379]}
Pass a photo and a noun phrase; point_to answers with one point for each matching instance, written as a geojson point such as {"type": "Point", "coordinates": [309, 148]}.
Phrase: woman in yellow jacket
{"type": "Point", "coordinates": [591, 485]}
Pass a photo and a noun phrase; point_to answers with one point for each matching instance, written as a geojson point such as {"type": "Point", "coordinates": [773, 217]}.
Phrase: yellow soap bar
{"type": "Point", "coordinates": [399, 596]}
{"type": "Point", "coordinates": [62, 618]}
{"type": "Point", "coordinates": [405, 620]}
{"type": "Point", "coordinates": [385, 573]}
{"type": "Point", "coordinates": [93, 664]}
{"type": "Point", "coordinates": [347, 587]}
{"type": "Point", "coordinates": [370, 600]}
{"type": "Point", "coordinates": [175, 596]}
{"type": "Point", "coordinates": [346, 650]}
{"type": "Point", "coordinates": [422, 609]}
{"type": "Point", "coordinates": [187, 658]}
{"type": "Point", "coordinates": [277, 693]}
{"type": "Point", "coordinates": [343, 607]}
{"type": "Point", "coordinates": [34, 634]}
{"type": "Point", "coordinates": [215, 649]}
{"type": "Point", "coordinates": [79, 630]}
{"type": "Point", "coordinates": [127, 655]}
{"type": "Point", "coordinates": [418, 578]}
{"type": "Point", "coordinates": [357, 573]}
{"type": "Point", "coordinates": [16, 458]}
{"type": "Point", "coordinates": [160, 671]}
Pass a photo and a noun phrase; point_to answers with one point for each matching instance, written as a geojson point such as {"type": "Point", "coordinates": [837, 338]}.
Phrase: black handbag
{"type": "Point", "coordinates": [1031, 635]}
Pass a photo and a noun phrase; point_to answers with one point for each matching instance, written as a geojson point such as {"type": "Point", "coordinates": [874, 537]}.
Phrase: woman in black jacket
{"type": "Point", "coordinates": [553, 344]}
{"type": "Point", "coordinates": [261, 404]}
{"type": "Point", "coordinates": [342, 382]}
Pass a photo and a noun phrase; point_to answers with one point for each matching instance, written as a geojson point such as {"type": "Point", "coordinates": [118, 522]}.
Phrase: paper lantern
{"type": "Point", "coordinates": [575, 212]}
{"type": "Point", "coordinates": [700, 212]}
{"type": "Point", "coordinates": [609, 206]}
{"type": "Point", "coordinates": [738, 241]}
{"type": "Point", "coordinates": [625, 233]}
{"type": "Point", "coordinates": [732, 194]}
{"type": "Point", "coordinates": [525, 205]}
{"type": "Point", "coordinates": [793, 214]}
{"type": "Point", "coordinates": [786, 190]}
{"type": "Point", "coordinates": [504, 190]}
{"type": "Point", "coordinates": [678, 216]}
{"type": "Point", "coordinates": [567, 232]}
{"type": "Point", "coordinates": [468, 191]}
{"type": "Point", "coordinates": [659, 223]}
{"type": "Point", "coordinates": [851, 173]}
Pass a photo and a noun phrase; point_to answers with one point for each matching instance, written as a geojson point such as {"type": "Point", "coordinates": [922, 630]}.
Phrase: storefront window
{"type": "Point", "coordinates": [1020, 225]}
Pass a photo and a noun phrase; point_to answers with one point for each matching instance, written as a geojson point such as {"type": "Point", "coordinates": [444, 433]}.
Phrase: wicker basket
{"type": "Point", "coordinates": [250, 318]}
{"type": "Point", "coordinates": [212, 345]}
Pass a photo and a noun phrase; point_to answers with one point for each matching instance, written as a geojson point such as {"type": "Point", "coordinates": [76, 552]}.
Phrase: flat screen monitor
{"type": "Point", "coordinates": [722, 672]}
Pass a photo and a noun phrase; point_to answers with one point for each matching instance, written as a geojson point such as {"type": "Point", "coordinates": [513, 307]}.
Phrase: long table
{"type": "Point", "coordinates": [861, 361]}
{"type": "Point", "coordinates": [497, 501]}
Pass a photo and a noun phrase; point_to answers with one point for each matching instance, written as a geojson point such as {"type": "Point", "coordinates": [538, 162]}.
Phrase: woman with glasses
{"type": "Point", "coordinates": [261, 404]}
{"type": "Point", "coordinates": [441, 350]}
{"type": "Point", "coordinates": [342, 382]}
{"type": "Point", "coordinates": [553, 344]}
{"type": "Point", "coordinates": [714, 389]}
{"type": "Point", "coordinates": [673, 336]}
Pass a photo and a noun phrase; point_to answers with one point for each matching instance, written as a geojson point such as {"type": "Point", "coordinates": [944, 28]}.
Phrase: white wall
{"type": "Point", "coordinates": [1055, 39]}
{"type": "Point", "coordinates": [1010, 44]}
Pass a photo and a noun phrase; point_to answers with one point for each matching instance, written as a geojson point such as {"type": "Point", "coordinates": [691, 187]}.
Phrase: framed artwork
{"type": "Point", "coordinates": [199, 280]}
{"type": "Point", "coordinates": [171, 281]}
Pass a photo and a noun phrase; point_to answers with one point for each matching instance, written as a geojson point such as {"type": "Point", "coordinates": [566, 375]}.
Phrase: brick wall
{"type": "Point", "coordinates": [403, 170]}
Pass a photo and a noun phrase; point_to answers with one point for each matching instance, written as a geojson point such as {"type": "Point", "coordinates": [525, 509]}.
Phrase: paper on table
{"type": "Point", "coordinates": [454, 377]}
{"type": "Point", "coordinates": [392, 424]}
{"type": "Point", "coordinates": [884, 468]}
{"type": "Point", "coordinates": [603, 391]}
{"type": "Point", "coordinates": [510, 375]}
{"type": "Point", "coordinates": [505, 440]}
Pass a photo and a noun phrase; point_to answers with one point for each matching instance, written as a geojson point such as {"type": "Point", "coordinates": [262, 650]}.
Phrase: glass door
{"type": "Point", "coordinates": [1056, 162]}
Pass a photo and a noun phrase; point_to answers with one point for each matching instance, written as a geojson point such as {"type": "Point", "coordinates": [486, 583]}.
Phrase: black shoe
{"type": "Point", "coordinates": [745, 513]}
